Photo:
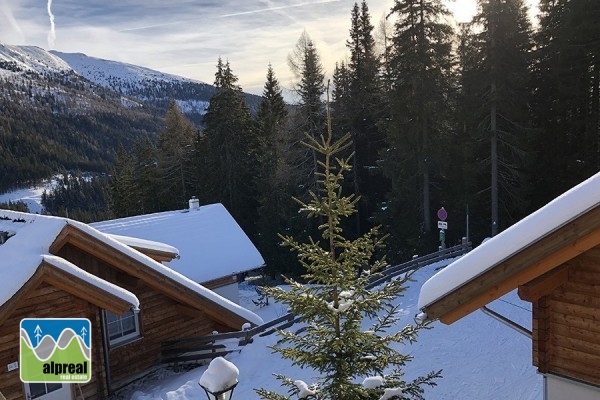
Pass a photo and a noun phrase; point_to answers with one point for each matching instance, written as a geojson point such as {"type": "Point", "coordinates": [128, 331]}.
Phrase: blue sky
{"type": "Point", "coordinates": [185, 37]}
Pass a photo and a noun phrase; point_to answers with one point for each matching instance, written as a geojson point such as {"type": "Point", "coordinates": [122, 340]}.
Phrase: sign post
{"type": "Point", "coordinates": [442, 214]}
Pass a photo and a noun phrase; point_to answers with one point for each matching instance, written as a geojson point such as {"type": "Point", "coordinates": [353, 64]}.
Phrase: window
{"type": "Point", "coordinates": [39, 390]}
{"type": "Point", "coordinates": [122, 328]}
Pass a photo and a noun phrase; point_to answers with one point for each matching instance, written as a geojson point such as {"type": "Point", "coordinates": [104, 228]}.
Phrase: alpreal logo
{"type": "Point", "coordinates": [56, 350]}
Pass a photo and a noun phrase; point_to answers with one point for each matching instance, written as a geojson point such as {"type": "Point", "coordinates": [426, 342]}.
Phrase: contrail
{"type": "Point", "coordinates": [278, 8]}
{"type": "Point", "coordinates": [52, 33]}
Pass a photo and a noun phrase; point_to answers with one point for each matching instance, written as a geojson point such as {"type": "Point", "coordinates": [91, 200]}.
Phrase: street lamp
{"type": "Point", "coordinates": [219, 379]}
{"type": "Point", "coordinates": [224, 394]}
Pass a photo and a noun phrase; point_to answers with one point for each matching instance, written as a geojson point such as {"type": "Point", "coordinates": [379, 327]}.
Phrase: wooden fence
{"type": "Point", "coordinates": [219, 344]}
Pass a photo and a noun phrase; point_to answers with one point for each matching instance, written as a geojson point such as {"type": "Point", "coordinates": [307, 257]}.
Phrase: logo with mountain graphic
{"type": "Point", "coordinates": [56, 350]}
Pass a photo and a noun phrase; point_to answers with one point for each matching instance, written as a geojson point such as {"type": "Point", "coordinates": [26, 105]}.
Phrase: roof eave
{"type": "Point", "coordinates": [541, 257]}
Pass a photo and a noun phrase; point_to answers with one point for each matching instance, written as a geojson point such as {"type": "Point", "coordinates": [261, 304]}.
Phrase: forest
{"type": "Point", "coordinates": [489, 119]}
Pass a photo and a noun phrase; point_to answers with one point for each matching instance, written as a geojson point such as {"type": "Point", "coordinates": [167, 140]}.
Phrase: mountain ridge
{"type": "Point", "coordinates": [73, 113]}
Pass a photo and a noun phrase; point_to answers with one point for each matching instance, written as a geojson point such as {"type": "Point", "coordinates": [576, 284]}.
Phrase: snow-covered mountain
{"type": "Point", "coordinates": [15, 59]}
{"type": "Point", "coordinates": [142, 83]}
{"type": "Point", "coordinates": [114, 74]}
{"type": "Point", "coordinates": [71, 111]}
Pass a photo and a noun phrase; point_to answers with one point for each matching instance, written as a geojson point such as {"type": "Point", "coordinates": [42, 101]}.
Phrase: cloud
{"type": "Point", "coordinates": [10, 30]}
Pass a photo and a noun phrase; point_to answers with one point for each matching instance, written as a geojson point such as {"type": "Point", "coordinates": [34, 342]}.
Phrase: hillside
{"type": "Point", "coordinates": [147, 85]}
{"type": "Point", "coordinates": [69, 111]}
{"type": "Point", "coordinates": [51, 118]}
{"type": "Point", "coordinates": [144, 84]}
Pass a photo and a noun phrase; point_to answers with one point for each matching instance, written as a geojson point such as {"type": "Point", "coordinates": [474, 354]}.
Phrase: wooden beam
{"type": "Point", "coordinates": [539, 258]}
{"type": "Point", "coordinates": [544, 284]}
{"type": "Point", "coordinates": [156, 255]}
{"type": "Point", "coordinates": [7, 308]}
{"type": "Point", "coordinates": [148, 275]}
{"type": "Point", "coordinates": [83, 289]}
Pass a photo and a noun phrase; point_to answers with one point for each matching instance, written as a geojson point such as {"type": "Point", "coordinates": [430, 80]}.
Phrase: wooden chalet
{"type": "Point", "coordinates": [58, 268]}
{"type": "Point", "coordinates": [208, 245]}
{"type": "Point", "coordinates": [552, 258]}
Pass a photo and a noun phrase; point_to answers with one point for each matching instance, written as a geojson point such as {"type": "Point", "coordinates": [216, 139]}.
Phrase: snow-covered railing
{"type": "Point", "coordinates": [219, 344]}
{"type": "Point", "coordinates": [418, 262]}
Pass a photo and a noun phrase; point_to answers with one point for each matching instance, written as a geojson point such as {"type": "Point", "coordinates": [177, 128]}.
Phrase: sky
{"type": "Point", "coordinates": [186, 37]}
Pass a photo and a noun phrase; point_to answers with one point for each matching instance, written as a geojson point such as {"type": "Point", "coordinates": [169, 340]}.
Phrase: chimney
{"type": "Point", "coordinates": [194, 203]}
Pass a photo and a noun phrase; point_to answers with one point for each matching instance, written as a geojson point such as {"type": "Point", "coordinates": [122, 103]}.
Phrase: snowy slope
{"type": "Point", "coordinates": [145, 84]}
{"type": "Point", "coordinates": [113, 74]}
{"type": "Point", "coordinates": [30, 58]}
{"type": "Point", "coordinates": [480, 358]}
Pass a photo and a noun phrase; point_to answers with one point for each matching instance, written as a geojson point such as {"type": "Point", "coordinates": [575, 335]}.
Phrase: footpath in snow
{"type": "Point", "coordinates": [480, 357]}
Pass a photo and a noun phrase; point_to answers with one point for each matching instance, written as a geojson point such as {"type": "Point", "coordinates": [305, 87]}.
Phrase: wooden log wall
{"type": "Point", "coordinates": [161, 319]}
{"type": "Point", "coordinates": [47, 301]}
{"type": "Point", "coordinates": [567, 323]}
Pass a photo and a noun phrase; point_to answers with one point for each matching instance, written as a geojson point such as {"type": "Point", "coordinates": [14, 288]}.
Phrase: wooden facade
{"type": "Point", "coordinates": [566, 322]}
{"type": "Point", "coordinates": [168, 310]}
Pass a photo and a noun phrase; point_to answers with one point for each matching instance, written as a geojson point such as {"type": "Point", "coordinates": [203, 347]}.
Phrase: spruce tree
{"type": "Point", "coordinates": [305, 63]}
{"type": "Point", "coordinates": [274, 181]}
{"type": "Point", "coordinates": [232, 148]}
{"type": "Point", "coordinates": [503, 45]}
{"type": "Point", "coordinates": [350, 330]}
{"type": "Point", "coordinates": [174, 149]}
{"type": "Point", "coordinates": [365, 110]}
{"type": "Point", "coordinates": [146, 176]}
{"type": "Point", "coordinates": [420, 109]}
{"type": "Point", "coordinates": [567, 96]}
{"type": "Point", "coordinates": [123, 187]}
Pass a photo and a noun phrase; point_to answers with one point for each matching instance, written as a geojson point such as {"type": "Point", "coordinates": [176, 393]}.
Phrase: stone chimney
{"type": "Point", "coordinates": [194, 203]}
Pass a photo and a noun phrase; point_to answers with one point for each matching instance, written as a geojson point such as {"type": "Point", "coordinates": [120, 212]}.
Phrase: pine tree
{"type": "Point", "coordinates": [147, 176]}
{"type": "Point", "coordinates": [336, 303]}
{"type": "Point", "coordinates": [174, 149]}
{"type": "Point", "coordinates": [503, 45]}
{"type": "Point", "coordinates": [567, 96]}
{"type": "Point", "coordinates": [305, 63]}
{"type": "Point", "coordinates": [275, 181]}
{"type": "Point", "coordinates": [365, 109]}
{"type": "Point", "coordinates": [123, 188]}
{"type": "Point", "coordinates": [232, 147]}
{"type": "Point", "coordinates": [422, 65]}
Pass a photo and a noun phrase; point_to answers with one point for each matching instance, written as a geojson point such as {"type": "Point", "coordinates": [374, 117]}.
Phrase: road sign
{"type": "Point", "coordinates": [442, 225]}
{"type": "Point", "coordinates": [442, 214]}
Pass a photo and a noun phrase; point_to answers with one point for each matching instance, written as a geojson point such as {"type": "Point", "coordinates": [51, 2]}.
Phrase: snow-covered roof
{"type": "Point", "coordinates": [145, 244]}
{"type": "Point", "coordinates": [30, 238]}
{"type": "Point", "coordinates": [30, 242]}
{"type": "Point", "coordinates": [559, 212]}
{"type": "Point", "coordinates": [211, 244]}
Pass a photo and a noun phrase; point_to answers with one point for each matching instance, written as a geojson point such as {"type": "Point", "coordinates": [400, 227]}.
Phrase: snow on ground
{"type": "Point", "coordinates": [31, 196]}
{"type": "Point", "coordinates": [480, 357]}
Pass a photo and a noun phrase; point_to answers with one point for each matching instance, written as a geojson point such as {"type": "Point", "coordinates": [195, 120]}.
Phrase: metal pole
{"type": "Point", "coordinates": [507, 322]}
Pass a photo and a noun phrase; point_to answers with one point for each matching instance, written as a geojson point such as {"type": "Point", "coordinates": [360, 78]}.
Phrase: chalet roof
{"type": "Point", "coordinates": [211, 244]}
{"type": "Point", "coordinates": [535, 231]}
{"type": "Point", "coordinates": [31, 242]}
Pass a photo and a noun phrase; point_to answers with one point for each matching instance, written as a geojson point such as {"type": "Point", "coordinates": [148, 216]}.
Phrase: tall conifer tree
{"type": "Point", "coordinates": [174, 150]}
{"type": "Point", "coordinates": [567, 96]}
{"type": "Point", "coordinates": [305, 63]}
{"type": "Point", "coordinates": [422, 63]}
{"type": "Point", "coordinates": [365, 109]}
{"type": "Point", "coordinates": [275, 179]}
{"type": "Point", "coordinates": [503, 86]}
{"type": "Point", "coordinates": [232, 148]}
{"type": "Point", "coordinates": [350, 329]}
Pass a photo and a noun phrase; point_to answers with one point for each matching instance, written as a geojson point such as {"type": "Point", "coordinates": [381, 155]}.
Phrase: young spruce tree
{"type": "Point", "coordinates": [350, 329]}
